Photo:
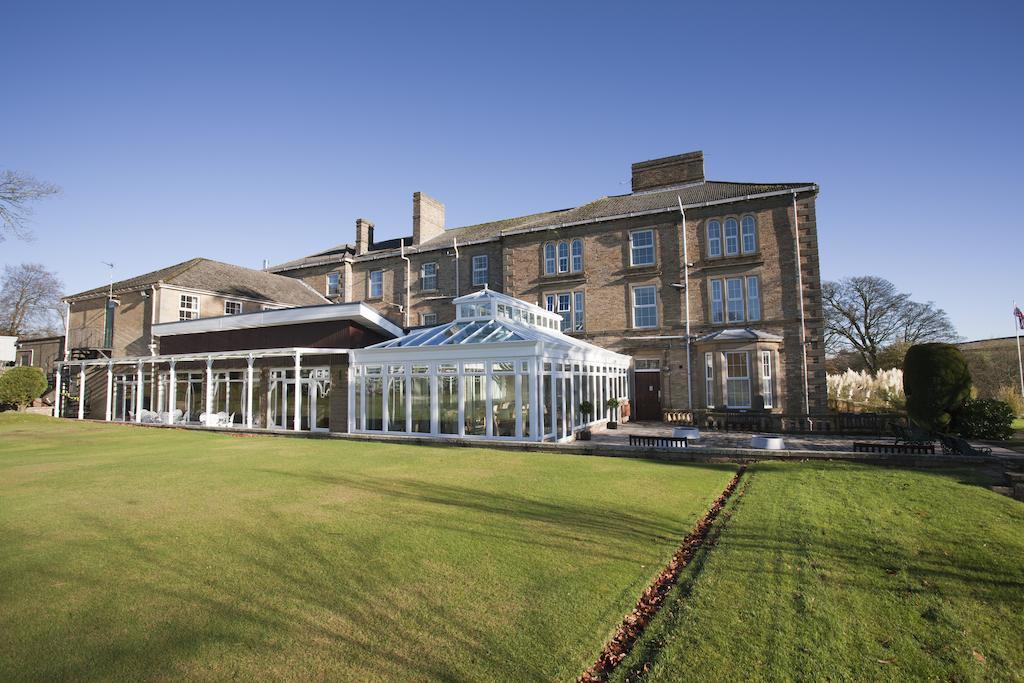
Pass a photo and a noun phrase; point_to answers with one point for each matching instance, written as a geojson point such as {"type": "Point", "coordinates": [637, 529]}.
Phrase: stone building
{"type": "Point", "coordinates": [613, 269]}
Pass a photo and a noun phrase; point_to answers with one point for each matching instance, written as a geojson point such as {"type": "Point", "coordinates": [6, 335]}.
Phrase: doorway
{"type": "Point", "coordinates": [647, 393]}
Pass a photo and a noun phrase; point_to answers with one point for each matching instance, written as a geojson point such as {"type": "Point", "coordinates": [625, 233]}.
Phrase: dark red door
{"type": "Point", "coordinates": [647, 392]}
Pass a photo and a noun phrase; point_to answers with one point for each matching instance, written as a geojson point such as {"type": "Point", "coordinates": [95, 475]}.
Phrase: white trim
{"type": "Point", "coordinates": [357, 312]}
{"type": "Point", "coordinates": [241, 307]}
{"type": "Point", "coordinates": [653, 247]}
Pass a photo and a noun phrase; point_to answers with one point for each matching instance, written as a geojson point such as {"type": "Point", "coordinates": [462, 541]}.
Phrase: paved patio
{"type": "Point", "coordinates": [712, 439]}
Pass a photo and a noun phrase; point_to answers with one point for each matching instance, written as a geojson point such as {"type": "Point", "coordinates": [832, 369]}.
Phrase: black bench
{"type": "Point", "coordinates": [657, 441]}
{"type": "Point", "coordinates": [894, 448]}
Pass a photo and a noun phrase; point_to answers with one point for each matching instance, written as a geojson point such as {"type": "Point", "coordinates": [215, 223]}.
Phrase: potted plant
{"type": "Point", "coordinates": [612, 405]}
{"type": "Point", "coordinates": [586, 410]}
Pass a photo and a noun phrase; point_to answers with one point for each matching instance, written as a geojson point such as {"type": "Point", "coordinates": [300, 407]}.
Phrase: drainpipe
{"type": "Point", "coordinates": [455, 246]}
{"type": "Point", "coordinates": [408, 274]}
{"type": "Point", "coordinates": [803, 325]}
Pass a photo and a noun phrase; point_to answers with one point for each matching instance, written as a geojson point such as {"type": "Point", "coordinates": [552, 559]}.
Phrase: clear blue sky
{"type": "Point", "coordinates": [243, 131]}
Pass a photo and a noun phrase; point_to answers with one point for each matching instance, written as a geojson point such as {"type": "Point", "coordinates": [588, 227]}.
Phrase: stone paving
{"type": "Point", "coordinates": [712, 439]}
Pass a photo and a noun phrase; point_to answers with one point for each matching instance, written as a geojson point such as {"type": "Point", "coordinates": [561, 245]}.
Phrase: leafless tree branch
{"type": "Point", "coordinates": [17, 192]}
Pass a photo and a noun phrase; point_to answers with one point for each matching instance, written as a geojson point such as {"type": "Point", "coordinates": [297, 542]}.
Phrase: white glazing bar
{"type": "Point", "coordinates": [407, 380]}
{"type": "Point", "coordinates": [108, 413]}
{"type": "Point", "coordinates": [517, 380]}
{"type": "Point", "coordinates": [460, 387]}
{"type": "Point", "coordinates": [297, 423]}
{"type": "Point", "coordinates": [554, 406]}
{"type": "Point", "coordinates": [489, 400]}
{"type": "Point", "coordinates": [435, 409]}
{"type": "Point", "coordinates": [58, 391]}
{"type": "Point", "coordinates": [535, 431]}
{"type": "Point", "coordinates": [351, 399]}
{"type": "Point", "coordinates": [81, 393]}
{"type": "Point", "coordinates": [172, 392]}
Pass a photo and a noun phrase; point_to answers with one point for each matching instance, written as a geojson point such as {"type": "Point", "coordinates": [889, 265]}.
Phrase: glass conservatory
{"type": "Point", "coordinates": [501, 370]}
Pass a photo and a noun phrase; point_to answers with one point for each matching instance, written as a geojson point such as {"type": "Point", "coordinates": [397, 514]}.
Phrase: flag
{"type": "Point", "coordinates": [1020, 316]}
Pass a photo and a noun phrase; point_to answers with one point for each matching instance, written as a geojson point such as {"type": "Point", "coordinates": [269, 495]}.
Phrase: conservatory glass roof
{"type": "Point", "coordinates": [489, 317]}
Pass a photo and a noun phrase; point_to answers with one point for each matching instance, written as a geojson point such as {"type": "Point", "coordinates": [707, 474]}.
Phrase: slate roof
{"type": "Point", "coordinates": [604, 208]}
{"type": "Point", "coordinates": [223, 278]}
{"type": "Point", "coordinates": [740, 334]}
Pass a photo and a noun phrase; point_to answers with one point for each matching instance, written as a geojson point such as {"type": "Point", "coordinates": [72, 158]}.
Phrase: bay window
{"type": "Point", "coordinates": [737, 379]}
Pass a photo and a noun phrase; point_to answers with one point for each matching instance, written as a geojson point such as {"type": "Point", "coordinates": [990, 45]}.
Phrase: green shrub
{"type": "Point", "coordinates": [20, 386]}
{"type": "Point", "coordinates": [936, 382]}
{"type": "Point", "coordinates": [983, 418]}
{"type": "Point", "coordinates": [1011, 394]}
{"type": "Point", "coordinates": [586, 408]}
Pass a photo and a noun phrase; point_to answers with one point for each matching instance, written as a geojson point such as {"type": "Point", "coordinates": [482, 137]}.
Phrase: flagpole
{"type": "Point", "coordinates": [1020, 362]}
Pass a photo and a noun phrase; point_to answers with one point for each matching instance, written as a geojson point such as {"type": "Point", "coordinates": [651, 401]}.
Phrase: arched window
{"type": "Point", "coordinates": [577, 256]}
{"type": "Point", "coordinates": [549, 258]}
{"type": "Point", "coordinates": [714, 238]}
{"type": "Point", "coordinates": [563, 257]}
{"type": "Point", "coordinates": [732, 237]}
{"type": "Point", "coordinates": [749, 235]}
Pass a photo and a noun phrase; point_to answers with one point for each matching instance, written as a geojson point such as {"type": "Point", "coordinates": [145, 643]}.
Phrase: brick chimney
{"type": "Point", "coordinates": [364, 236]}
{"type": "Point", "coordinates": [427, 217]}
{"type": "Point", "coordinates": [677, 170]}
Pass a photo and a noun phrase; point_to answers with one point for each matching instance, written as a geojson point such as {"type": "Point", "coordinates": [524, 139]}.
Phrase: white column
{"type": "Point", "coordinates": [248, 392]}
{"type": "Point", "coordinates": [58, 392]}
{"type": "Point", "coordinates": [209, 391]}
{"type": "Point", "coordinates": [435, 408]}
{"type": "Point", "coordinates": [81, 393]}
{"type": "Point", "coordinates": [297, 423]}
{"type": "Point", "coordinates": [351, 398]}
{"type": "Point", "coordinates": [488, 401]}
{"type": "Point", "coordinates": [109, 413]}
{"type": "Point", "coordinates": [535, 408]}
{"type": "Point", "coordinates": [517, 380]}
{"type": "Point", "coordinates": [160, 391]}
{"type": "Point", "coordinates": [460, 387]}
{"type": "Point", "coordinates": [172, 393]}
{"type": "Point", "coordinates": [552, 378]}
{"type": "Point", "coordinates": [138, 391]}
{"type": "Point", "coordinates": [408, 399]}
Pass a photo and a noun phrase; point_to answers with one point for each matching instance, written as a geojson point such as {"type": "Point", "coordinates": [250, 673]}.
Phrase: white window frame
{"type": "Point", "coordinates": [563, 257]}
{"type": "Point", "coordinates": [335, 289]}
{"type": "Point", "coordinates": [714, 241]}
{"type": "Point", "coordinates": [717, 302]}
{"type": "Point", "coordinates": [576, 259]}
{"type": "Point", "coordinates": [746, 378]}
{"type": "Point", "coordinates": [228, 302]}
{"type": "Point", "coordinates": [379, 284]}
{"type": "Point", "coordinates": [633, 248]}
{"type": "Point", "coordinates": [550, 258]}
{"type": "Point", "coordinates": [188, 307]}
{"type": "Point", "coordinates": [730, 300]}
{"type": "Point", "coordinates": [752, 233]}
{"type": "Point", "coordinates": [709, 379]}
{"type": "Point", "coordinates": [634, 307]}
{"type": "Point", "coordinates": [734, 249]}
{"type": "Point", "coordinates": [432, 278]}
{"type": "Point", "coordinates": [480, 272]}
{"type": "Point", "coordinates": [767, 382]}
{"type": "Point", "coordinates": [579, 308]}
{"type": "Point", "coordinates": [752, 314]}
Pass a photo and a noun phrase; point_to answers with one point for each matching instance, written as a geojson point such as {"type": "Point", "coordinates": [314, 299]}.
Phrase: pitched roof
{"type": "Point", "coordinates": [605, 208]}
{"type": "Point", "coordinates": [223, 278]}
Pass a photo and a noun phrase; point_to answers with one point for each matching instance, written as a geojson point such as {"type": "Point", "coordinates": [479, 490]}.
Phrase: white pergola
{"type": "Point", "coordinates": [171, 361]}
{"type": "Point", "coordinates": [501, 370]}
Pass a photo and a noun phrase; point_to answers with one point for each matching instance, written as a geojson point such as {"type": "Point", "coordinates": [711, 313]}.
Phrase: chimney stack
{"type": "Point", "coordinates": [427, 218]}
{"type": "Point", "coordinates": [364, 236]}
{"type": "Point", "coordinates": [667, 171]}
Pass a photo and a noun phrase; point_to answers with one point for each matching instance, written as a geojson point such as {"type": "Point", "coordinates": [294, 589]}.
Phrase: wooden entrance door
{"type": "Point", "coordinates": [647, 391]}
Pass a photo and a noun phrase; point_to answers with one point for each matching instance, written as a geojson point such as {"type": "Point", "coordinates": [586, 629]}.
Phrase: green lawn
{"type": "Point", "coordinates": [133, 553]}
{"type": "Point", "coordinates": [843, 572]}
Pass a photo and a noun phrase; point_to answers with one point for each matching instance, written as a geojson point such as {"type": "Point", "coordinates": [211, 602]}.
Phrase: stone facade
{"type": "Point", "coordinates": [606, 281]}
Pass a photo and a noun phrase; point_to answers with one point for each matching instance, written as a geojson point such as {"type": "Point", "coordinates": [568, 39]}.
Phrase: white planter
{"type": "Point", "coordinates": [771, 443]}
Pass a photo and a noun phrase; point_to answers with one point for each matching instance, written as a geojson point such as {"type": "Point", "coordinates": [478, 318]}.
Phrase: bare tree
{"type": "Point", "coordinates": [29, 300]}
{"type": "Point", "coordinates": [17, 191]}
{"type": "Point", "coordinates": [868, 315]}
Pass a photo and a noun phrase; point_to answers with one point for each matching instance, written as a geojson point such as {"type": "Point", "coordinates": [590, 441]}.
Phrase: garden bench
{"type": "Point", "coordinates": [894, 448]}
{"type": "Point", "coordinates": [658, 441]}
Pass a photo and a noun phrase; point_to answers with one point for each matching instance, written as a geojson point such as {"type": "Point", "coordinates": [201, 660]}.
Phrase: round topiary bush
{"type": "Point", "coordinates": [936, 382]}
{"type": "Point", "coordinates": [984, 418]}
{"type": "Point", "coordinates": [20, 386]}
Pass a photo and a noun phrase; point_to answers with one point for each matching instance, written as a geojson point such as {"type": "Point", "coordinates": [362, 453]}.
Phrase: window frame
{"type": "Point", "coordinates": [767, 378]}
{"type": "Point", "coordinates": [735, 251]}
{"type": "Point", "coordinates": [550, 258]}
{"type": "Point", "coordinates": [634, 307]}
{"type": "Point", "coordinates": [476, 270]}
{"type": "Point", "coordinates": [709, 379]}
{"type": "Point", "coordinates": [563, 255]}
{"type": "Point", "coordinates": [717, 302]}
{"type": "Point", "coordinates": [744, 233]}
{"type": "Point", "coordinates": [729, 300]}
{"type": "Point", "coordinates": [336, 290]}
{"type": "Point", "coordinates": [738, 379]}
{"type": "Point", "coordinates": [234, 302]}
{"type": "Point", "coordinates": [423, 276]}
{"type": "Point", "coordinates": [576, 255]}
{"type": "Point", "coordinates": [425, 323]}
{"type": "Point", "coordinates": [715, 241]}
{"type": "Point", "coordinates": [633, 248]}
{"type": "Point", "coordinates": [188, 312]}
{"type": "Point", "coordinates": [756, 279]}
{"type": "Point", "coordinates": [370, 284]}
